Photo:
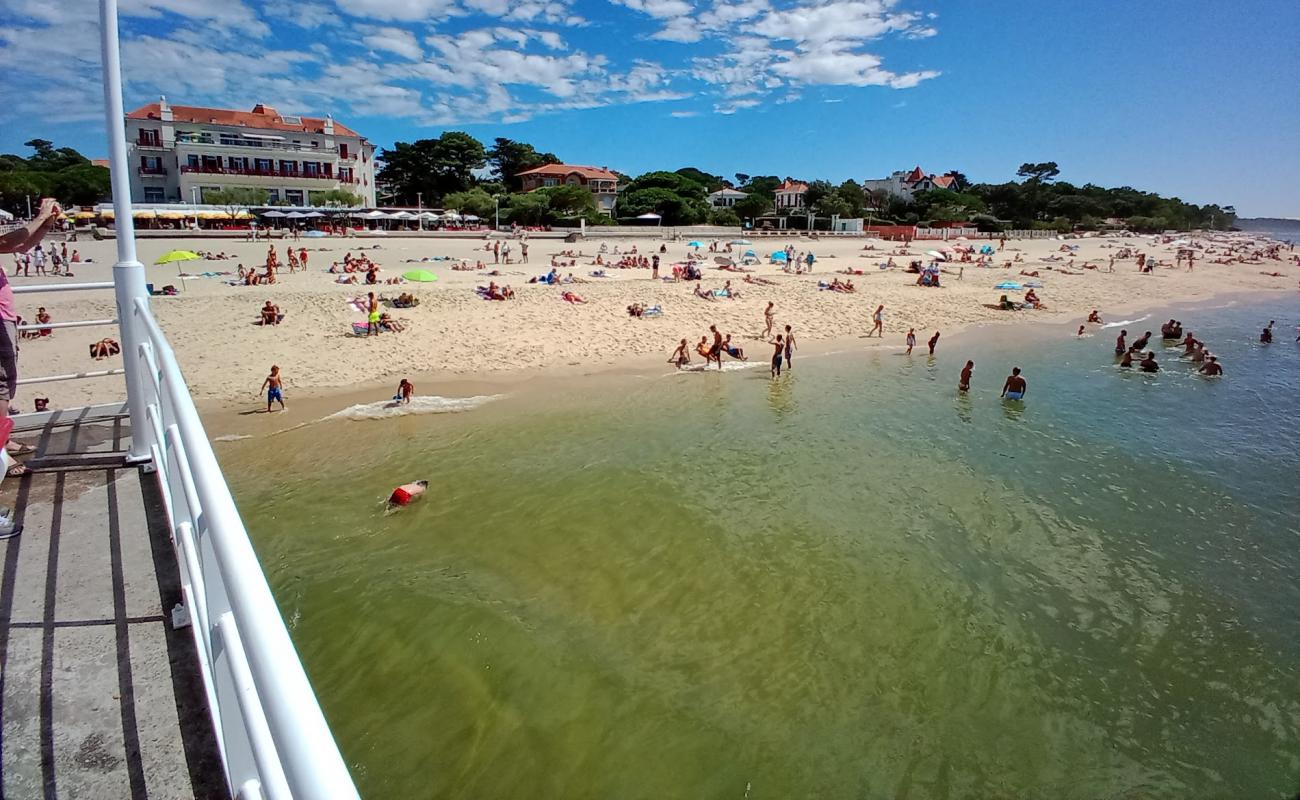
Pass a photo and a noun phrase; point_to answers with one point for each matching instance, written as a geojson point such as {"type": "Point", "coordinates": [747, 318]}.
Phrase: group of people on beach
{"type": "Point", "coordinates": [712, 351]}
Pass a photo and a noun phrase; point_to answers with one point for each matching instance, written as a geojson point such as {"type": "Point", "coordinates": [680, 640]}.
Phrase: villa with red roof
{"type": "Point", "coordinates": [790, 194]}
{"type": "Point", "coordinates": [906, 184]}
{"type": "Point", "coordinates": [182, 153]}
{"type": "Point", "coordinates": [602, 183]}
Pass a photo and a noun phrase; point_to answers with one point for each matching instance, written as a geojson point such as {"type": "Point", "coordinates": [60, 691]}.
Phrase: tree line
{"type": "Point", "coordinates": [61, 173]}
{"type": "Point", "coordinates": [457, 171]}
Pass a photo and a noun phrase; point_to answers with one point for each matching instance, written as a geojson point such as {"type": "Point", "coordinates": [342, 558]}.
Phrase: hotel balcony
{"type": "Point", "coordinates": [154, 172]}
{"type": "Point", "coordinates": [254, 142]}
{"type": "Point", "coordinates": [262, 173]}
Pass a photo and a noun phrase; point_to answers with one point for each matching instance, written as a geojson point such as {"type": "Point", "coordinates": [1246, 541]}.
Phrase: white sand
{"type": "Point", "coordinates": [454, 333]}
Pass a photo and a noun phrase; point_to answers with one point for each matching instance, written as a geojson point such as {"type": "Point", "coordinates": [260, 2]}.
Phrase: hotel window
{"type": "Point", "coordinates": [289, 168]}
{"type": "Point", "coordinates": [150, 138]}
{"type": "Point", "coordinates": [345, 174]}
{"type": "Point", "coordinates": [311, 168]}
{"type": "Point", "coordinates": [154, 194]}
{"type": "Point", "coordinates": [192, 160]}
{"type": "Point", "coordinates": [548, 181]}
{"type": "Point", "coordinates": [343, 149]}
{"type": "Point", "coordinates": [293, 197]}
{"type": "Point", "coordinates": [273, 196]}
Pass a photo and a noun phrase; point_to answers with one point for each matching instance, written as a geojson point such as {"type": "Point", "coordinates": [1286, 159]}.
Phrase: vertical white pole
{"type": "Point", "coordinates": [128, 273]}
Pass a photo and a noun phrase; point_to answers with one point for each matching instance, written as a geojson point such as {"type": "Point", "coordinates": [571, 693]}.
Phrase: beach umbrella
{"type": "Point", "coordinates": [427, 215]}
{"type": "Point", "coordinates": [750, 254]}
{"type": "Point", "coordinates": [312, 215]}
{"type": "Point", "coordinates": [1010, 286]}
{"type": "Point", "coordinates": [177, 257]}
{"type": "Point", "coordinates": [470, 218]}
{"type": "Point", "coordinates": [420, 276]}
{"type": "Point", "coordinates": [740, 241]}
{"type": "Point", "coordinates": [273, 214]}
{"type": "Point", "coordinates": [402, 215]}
{"type": "Point", "coordinates": [314, 234]}
{"type": "Point", "coordinates": [295, 215]}
{"type": "Point", "coordinates": [936, 254]}
{"type": "Point", "coordinates": [694, 244]}
{"type": "Point", "coordinates": [649, 216]}
{"type": "Point", "coordinates": [779, 255]}
{"type": "Point", "coordinates": [451, 216]}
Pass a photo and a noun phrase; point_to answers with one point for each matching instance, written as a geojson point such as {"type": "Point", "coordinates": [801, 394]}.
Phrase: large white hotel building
{"type": "Point", "coordinates": [179, 153]}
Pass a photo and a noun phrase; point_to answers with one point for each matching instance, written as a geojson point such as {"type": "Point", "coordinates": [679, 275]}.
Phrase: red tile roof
{"type": "Point", "coordinates": [261, 116]}
{"type": "Point", "coordinates": [915, 175]}
{"type": "Point", "coordinates": [943, 181]}
{"type": "Point", "coordinates": [559, 170]}
{"type": "Point", "coordinates": [792, 186]}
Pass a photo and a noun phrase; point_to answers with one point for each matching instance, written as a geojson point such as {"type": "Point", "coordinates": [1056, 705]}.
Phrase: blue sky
{"type": "Point", "coordinates": [1188, 98]}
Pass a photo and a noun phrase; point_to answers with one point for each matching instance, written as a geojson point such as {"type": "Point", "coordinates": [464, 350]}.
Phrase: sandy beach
{"type": "Point", "coordinates": [454, 334]}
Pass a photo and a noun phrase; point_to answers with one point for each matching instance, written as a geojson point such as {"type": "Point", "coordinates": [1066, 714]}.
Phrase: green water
{"type": "Point", "coordinates": [850, 583]}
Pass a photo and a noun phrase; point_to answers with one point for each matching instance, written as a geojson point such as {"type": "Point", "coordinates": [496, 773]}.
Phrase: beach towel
{"type": "Point", "coordinates": [358, 304]}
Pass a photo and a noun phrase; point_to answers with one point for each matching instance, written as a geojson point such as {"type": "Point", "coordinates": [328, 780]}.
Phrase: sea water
{"type": "Point", "coordinates": [851, 582]}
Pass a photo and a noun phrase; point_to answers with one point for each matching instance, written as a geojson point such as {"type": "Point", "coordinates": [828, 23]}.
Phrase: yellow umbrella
{"type": "Point", "coordinates": [178, 255]}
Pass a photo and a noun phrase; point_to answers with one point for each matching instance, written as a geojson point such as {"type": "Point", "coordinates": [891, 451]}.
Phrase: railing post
{"type": "Point", "coordinates": [128, 273]}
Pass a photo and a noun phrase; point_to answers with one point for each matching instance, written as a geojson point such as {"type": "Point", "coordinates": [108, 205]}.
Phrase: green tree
{"type": "Point", "coordinates": [816, 191]}
{"type": "Point", "coordinates": [761, 184]}
{"type": "Point", "coordinates": [432, 167]}
{"type": "Point", "coordinates": [476, 201]}
{"type": "Point", "coordinates": [853, 194]}
{"type": "Point", "coordinates": [711, 183]}
{"type": "Point", "coordinates": [336, 202]}
{"type": "Point", "coordinates": [753, 205]}
{"type": "Point", "coordinates": [236, 199]}
{"type": "Point", "coordinates": [82, 184]}
{"type": "Point", "coordinates": [566, 201]}
{"type": "Point", "coordinates": [725, 217]}
{"type": "Point", "coordinates": [508, 158]}
{"type": "Point", "coordinates": [529, 208]}
{"type": "Point", "coordinates": [832, 205]}
{"type": "Point", "coordinates": [1038, 173]}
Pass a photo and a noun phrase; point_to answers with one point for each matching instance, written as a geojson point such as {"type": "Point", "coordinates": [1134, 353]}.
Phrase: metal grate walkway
{"type": "Point", "coordinates": [99, 696]}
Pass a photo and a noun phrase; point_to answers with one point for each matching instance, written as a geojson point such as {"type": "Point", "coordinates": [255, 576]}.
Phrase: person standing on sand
{"type": "Point", "coordinates": [523, 252]}
{"type": "Point", "coordinates": [776, 356]}
{"type": "Point", "coordinates": [1016, 386]}
{"type": "Point", "coordinates": [790, 347]}
{"type": "Point", "coordinates": [933, 341]}
{"type": "Point", "coordinates": [302, 258]}
{"type": "Point", "coordinates": [372, 315]}
{"type": "Point", "coordinates": [654, 268]}
{"type": "Point", "coordinates": [769, 318]}
{"type": "Point", "coordinates": [879, 319]}
{"type": "Point", "coordinates": [911, 340]}
{"type": "Point", "coordinates": [963, 383]}
{"type": "Point", "coordinates": [715, 350]}
{"type": "Point", "coordinates": [274, 388]}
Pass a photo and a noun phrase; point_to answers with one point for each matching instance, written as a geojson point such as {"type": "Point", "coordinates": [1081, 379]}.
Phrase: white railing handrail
{"type": "Point", "coordinates": [302, 750]}
{"type": "Point", "coordinates": [37, 288]}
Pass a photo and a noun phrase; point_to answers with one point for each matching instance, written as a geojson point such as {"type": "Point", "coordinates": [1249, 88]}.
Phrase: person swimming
{"type": "Point", "coordinates": [1149, 364]}
{"type": "Point", "coordinates": [406, 494]}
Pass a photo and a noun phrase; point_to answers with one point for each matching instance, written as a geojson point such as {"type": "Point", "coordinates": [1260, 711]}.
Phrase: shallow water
{"type": "Point", "coordinates": [851, 582]}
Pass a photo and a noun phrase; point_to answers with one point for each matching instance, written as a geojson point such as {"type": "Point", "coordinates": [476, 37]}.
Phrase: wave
{"type": "Point", "coordinates": [730, 366]}
{"type": "Point", "coordinates": [421, 404]}
{"type": "Point", "coordinates": [231, 437]}
{"type": "Point", "coordinates": [1124, 322]}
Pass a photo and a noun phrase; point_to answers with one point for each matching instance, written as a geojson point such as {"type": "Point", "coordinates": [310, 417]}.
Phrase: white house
{"type": "Point", "coordinates": [726, 198]}
{"type": "Point", "coordinates": [181, 153]}
{"type": "Point", "coordinates": [905, 184]}
{"type": "Point", "coordinates": [790, 194]}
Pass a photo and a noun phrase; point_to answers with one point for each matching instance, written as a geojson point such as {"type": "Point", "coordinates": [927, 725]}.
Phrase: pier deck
{"type": "Point", "coordinates": [100, 697]}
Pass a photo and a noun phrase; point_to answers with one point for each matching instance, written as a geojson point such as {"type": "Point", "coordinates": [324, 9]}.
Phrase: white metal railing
{"type": "Point", "coordinates": [273, 736]}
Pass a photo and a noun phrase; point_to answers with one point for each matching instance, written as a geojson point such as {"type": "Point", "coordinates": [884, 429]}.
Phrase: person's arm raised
{"type": "Point", "coordinates": [24, 238]}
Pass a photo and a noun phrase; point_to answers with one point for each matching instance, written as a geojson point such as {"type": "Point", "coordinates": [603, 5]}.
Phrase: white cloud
{"type": "Point", "coordinates": [398, 41]}
{"type": "Point", "coordinates": [404, 10]}
{"type": "Point", "coordinates": [733, 106]}
{"type": "Point", "coordinates": [660, 9]}
{"type": "Point", "coordinates": [683, 114]}
{"type": "Point", "coordinates": [303, 13]}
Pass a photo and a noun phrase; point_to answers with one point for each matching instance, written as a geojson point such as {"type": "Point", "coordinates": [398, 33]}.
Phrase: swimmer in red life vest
{"type": "Point", "coordinates": [406, 494]}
